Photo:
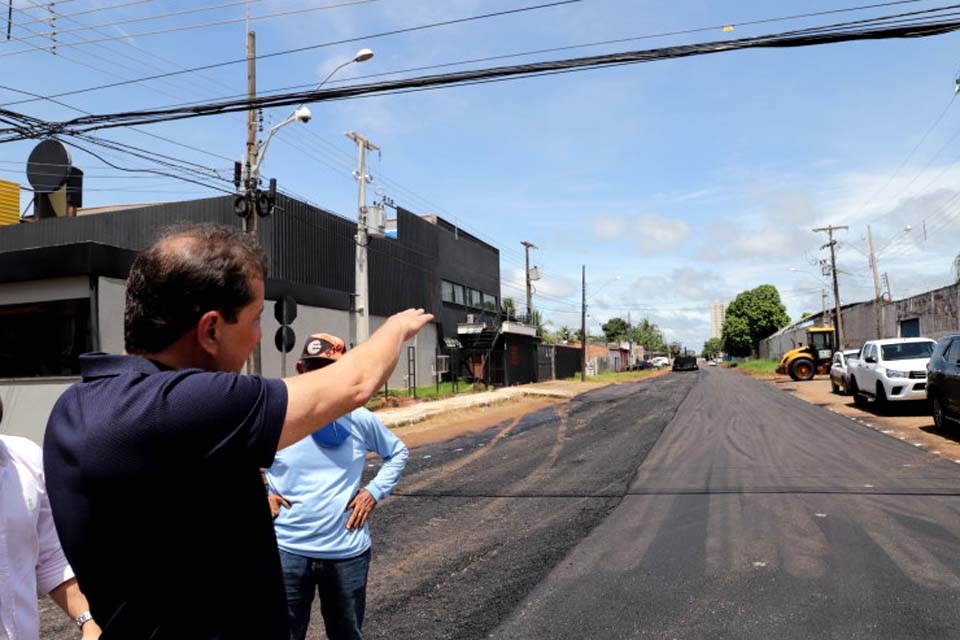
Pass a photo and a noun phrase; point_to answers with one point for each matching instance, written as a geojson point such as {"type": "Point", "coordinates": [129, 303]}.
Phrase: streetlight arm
{"type": "Point", "coordinates": [255, 169]}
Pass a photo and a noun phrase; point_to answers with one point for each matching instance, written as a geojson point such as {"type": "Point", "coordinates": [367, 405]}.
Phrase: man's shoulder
{"type": "Point", "coordinates": [23, 451]}
{"type": "Point", "coordinates": [363, 417]}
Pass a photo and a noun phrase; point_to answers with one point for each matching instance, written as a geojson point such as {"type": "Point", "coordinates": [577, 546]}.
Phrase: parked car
{"type": "Point", "coordinates": [839, 370]}
{"type": "Point", "coordinates": [712, 363]}
{"type": "Point", "coordinates": [660, 361]}
{"type": "Point", "coordinates": [685, 363]}
{"type": "Point", "coordinates": [891, 370]}
{"type": "Point", "coordinates": [640, 365]}
{"type": "Point", "coordinates": [943, 381]}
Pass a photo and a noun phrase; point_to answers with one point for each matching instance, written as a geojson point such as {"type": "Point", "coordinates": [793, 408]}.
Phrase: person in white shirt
{"type": "Point", "coordinates": [31, 561]}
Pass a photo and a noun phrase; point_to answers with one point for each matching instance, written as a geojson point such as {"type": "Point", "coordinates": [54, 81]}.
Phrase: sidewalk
{"type": "Point", "coordinates": [414, 413]}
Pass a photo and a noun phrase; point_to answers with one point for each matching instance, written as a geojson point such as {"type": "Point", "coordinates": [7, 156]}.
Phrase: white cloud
{"type": "Point", "coordinates": [652, 232]}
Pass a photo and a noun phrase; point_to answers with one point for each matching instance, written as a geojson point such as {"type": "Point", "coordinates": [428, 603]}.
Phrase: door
{"type": "Point", "coordinates": [867, 380]}
{"type": "Point", "coordinates": [951, 377]}
{"type": "Point", "coordinates": [910, 328]}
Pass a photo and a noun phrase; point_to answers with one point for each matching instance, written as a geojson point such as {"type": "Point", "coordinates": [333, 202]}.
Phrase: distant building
{"type": "Point", "coordinates": [718, 311]}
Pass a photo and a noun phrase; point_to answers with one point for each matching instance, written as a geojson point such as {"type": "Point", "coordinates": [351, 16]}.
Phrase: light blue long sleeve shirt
{"type": "Point", "coordinates": [319, 482]}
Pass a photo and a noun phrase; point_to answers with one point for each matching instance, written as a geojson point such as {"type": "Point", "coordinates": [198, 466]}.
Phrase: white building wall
{"type": "Point", "coordinates": [27, 403]}
{"type": "Point", "coordinates": [111, 302]}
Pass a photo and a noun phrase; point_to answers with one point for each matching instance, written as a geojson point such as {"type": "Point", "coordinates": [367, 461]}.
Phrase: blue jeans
{"type": "Point", "coordinates": [341, 585]}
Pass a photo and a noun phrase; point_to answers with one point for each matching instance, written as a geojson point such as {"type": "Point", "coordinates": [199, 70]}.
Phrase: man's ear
{"type": "Point", "coordinates": [208, 332]}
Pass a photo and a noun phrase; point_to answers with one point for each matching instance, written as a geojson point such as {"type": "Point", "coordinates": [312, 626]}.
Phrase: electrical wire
{"type": "Point", "coordinates": [263, 56]}
{"type": "Point", "coordinates": [98, 9]}
{"type": "Point", "coordinates": [462, 78]}
{"type": "Point", "coordinates": [552, 50]}
{"type": "Point", "coordinates": [99, 157]}
{"type": "Point", "coordinates": [159, 16]}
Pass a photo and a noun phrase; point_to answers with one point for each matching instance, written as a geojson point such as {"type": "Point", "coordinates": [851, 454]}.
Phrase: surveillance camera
{"type": "Point", "coordinates": [303, 115]}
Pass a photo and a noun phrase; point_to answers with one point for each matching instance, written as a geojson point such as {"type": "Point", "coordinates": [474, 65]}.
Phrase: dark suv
{"type": "Point", "coordinates": [943, 381]}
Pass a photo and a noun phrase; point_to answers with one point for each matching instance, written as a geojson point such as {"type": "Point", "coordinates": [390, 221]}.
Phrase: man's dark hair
{"type": "Point", "coordinates": [189, 271]}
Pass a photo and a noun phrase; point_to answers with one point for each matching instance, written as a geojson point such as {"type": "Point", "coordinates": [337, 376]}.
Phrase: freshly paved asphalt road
{"type": "Point", "coordinates": [696, 505]}
{"type": "Point", "coordinates": [758, 515]}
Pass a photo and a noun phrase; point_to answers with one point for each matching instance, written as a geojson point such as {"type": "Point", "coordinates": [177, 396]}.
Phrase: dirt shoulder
{"type": "Point", "coordinates": [907, 421]}
{"type": "Point", "coordinates": [453, 424]}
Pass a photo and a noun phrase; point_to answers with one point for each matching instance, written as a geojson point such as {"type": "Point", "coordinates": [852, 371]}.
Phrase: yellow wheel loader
{"type": "Point", "coordinates": [811, 358]}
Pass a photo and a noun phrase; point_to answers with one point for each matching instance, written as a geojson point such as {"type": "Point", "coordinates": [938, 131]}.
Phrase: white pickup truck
{"type": "Point", "coordinates": [891, 370]}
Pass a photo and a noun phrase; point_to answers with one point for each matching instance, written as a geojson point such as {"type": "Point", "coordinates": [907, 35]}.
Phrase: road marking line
{"type": "Point", "coordinates": [759, 563]}
{"type": "Point", "coordinates": [820, 515]}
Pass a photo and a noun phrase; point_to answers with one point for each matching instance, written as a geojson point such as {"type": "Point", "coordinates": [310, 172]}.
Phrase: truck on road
{"type": "Point", "coordinates": [891, 370]}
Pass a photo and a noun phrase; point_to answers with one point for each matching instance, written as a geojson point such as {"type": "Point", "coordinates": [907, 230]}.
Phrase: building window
{"type": "Point", "coordinates": [44, 338]}
{"type": "Point", "coordinates": [474, 298]}
{"type": "Point", "coordinates": [447, 291]}
{"type": "Point", "coordinates": [489, 302]}
{"type": "Point", "coordinates": [451, 292]}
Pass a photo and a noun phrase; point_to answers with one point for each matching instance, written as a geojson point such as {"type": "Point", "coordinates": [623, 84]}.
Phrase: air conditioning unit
{"type": "Point", "coordinates": [471, 319]}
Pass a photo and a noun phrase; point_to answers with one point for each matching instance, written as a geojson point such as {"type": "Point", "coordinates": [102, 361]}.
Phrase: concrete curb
{"type": "Point", "coordinates": [417, 413]}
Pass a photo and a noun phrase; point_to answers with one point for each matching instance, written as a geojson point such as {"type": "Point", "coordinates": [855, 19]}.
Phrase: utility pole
{"type": "Point", "coordinates": [877, 300]}
{"type": "Point", "coordinates": [527, 246]}
{"type": "Point", "coordinates": [629, 340]}
{"type": "Point", "coordinates": [583, 326]}
{"type": "Point", "coordinates": [250, 184]}
{"type": "Point", "coordinates": [838, 326]}
{"type": "Point", "coordinates": [362, 299]}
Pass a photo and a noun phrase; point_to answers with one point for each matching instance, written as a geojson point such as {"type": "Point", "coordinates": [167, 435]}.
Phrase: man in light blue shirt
{"type": "Point", "coordinates": [322, 512]}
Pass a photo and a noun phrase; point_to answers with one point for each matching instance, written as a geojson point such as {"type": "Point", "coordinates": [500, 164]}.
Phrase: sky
{"type": "Point", "coordinates": [675, 183]}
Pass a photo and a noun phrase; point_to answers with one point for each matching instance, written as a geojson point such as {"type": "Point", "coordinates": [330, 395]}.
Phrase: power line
{"type": "Point", "coordinates": [192, 27]}
{"type": "Point", "coordinates": [58, 16]}
{"type": "Point", "coordinates": [495, 74]}
{"type": "Point", "coordinates": [555, 49]}
{"type": "Point", "coordinates": [216, 65]}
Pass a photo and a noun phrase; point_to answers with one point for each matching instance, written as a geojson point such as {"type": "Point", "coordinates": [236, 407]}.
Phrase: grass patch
{"type": "Point", "coordinates": [758, 366]}
{"type": "Point", "coordinates": [427, 392]}
{"type": "Point", "coordinates": [617, 376]}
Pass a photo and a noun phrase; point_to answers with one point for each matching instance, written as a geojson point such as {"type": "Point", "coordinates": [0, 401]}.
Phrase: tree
{"type": "Point", "coordinates": [564, 334]}
{"type": "Point", "coordinates": [509, 308]}
{"type": "Point", "coordinates": [805, 314]}
{"type": "Point", "coordinates": [736, 336]}
{"type": "Point", "coordinates": [712, 347]}
{"type": "Point", "coordinates": [752, 316]}
{"type": "Point", "coordinates": [647, 334]}
{"type": "Point", "coordinates": [615, 329]}
{"type": "Point", "coordinates": [578, 335]}
{"type": "Point", "coordinates": [675, 349]}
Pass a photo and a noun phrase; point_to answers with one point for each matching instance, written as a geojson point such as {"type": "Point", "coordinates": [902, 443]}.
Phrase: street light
{"type": "Point", "coordinates": [245, 203]}
{"type": "Point", "coordinates": [301, 113]}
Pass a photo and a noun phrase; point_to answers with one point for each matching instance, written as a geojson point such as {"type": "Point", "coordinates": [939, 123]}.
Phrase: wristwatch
{"type": "Point", "coordinates": [85, 617]}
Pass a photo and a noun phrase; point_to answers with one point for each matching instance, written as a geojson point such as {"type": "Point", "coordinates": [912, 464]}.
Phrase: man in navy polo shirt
{"type": "Point", "coordinates": [152, 460]}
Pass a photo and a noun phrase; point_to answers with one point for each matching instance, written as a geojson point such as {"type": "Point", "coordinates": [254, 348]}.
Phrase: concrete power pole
{"type": "Point", "coordinates": [838, 326]}
{"type": "Point", "coordinates": [527, 246]}
{"type": "Point", "coordinates": [583, 326]}
{"type": "Point", "coordinates": [878, 298]}
{"type": "Point", "coordinates": [362, 299]}
{"type": "Point", "coordinates": [250, 186]}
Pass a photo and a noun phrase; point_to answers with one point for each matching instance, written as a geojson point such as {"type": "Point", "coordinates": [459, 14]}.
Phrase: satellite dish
{"type": "Point", "coordinates": [48, 166]}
